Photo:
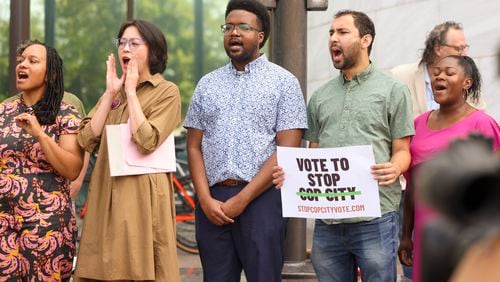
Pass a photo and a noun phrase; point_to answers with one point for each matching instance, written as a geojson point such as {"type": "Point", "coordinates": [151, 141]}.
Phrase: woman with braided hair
{"type": "Point", "coordinates": [39, 155]}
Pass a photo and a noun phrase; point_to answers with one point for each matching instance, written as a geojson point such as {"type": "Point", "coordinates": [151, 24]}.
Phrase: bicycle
{"type": "Point", "coordinates": [184, 194]}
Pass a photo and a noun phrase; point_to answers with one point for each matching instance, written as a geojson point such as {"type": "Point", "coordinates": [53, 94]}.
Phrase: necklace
{"type": "Point", "coordinates": [27, 109]}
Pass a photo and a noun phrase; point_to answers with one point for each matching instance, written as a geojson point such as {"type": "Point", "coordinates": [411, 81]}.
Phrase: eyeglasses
{"type": "Point", "coordinates": [459, 49]}
{"type": "Point", "coordinates": [242, 27]}
{"type": "Point", "coordinates": [133, 43]}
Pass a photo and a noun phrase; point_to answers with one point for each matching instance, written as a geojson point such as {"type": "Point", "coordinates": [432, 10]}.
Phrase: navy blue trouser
{"type": "Point", "coordinates": [254, 242]}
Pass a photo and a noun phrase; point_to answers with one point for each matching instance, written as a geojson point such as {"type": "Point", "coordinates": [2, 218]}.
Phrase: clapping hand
{"type": "Point", "coordinates": [132, 76]}
{"type": "Point", "coordinates": [113, 82]}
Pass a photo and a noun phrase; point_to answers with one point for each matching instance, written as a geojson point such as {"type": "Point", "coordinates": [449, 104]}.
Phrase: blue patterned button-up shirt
{"type": "Point", "coordinates": [240, 113]}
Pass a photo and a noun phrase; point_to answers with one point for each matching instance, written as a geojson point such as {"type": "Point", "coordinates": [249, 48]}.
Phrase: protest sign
{"type": "Point", "coordinates": [328, 182]}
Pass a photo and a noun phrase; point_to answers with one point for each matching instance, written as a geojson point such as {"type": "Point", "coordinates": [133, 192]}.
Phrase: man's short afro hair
{"type": "Point", "coordinates": [254, 7]}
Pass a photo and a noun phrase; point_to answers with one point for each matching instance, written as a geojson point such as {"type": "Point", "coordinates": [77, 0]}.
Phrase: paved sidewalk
{"type": "Point", "coordinates": [190, 269]}
{"type": "Point", "coordinates": [190, 265]}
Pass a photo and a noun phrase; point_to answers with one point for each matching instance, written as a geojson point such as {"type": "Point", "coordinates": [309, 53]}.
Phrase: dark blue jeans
{"type": "Point", "coordinates": [254, 242]}
{"type": "Point", "coordinates": [370, 245]}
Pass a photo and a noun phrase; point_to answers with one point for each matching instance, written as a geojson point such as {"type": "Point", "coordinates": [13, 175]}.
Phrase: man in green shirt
{"type": "Point", "coordinates": [361, 106]}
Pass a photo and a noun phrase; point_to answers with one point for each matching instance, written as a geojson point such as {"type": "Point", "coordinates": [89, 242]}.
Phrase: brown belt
{"type": "Point", "coordinates": [231, 182]}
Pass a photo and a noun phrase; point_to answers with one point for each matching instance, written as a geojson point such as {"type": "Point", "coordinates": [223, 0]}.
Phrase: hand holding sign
{"type": "Point", "coordinates": [278, 176]}
{"type": "Point", "coordinates": [386, 173]}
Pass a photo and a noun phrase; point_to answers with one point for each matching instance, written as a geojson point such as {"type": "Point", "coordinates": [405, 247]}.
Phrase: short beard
{"type": "Point", "coordinates": [243, 57]}
{"type": "Point", "coordinates": [346, 64]}
{"type": "Point", "coordinates": [350, 55]}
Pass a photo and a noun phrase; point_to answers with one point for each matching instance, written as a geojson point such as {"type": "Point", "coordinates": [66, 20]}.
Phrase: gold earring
{"type": "Point", "coordinates": [465, 92]}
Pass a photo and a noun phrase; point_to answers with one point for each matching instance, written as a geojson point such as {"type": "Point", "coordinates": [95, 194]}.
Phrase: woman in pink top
{"type": "Point", "coordinates": [454, 80]}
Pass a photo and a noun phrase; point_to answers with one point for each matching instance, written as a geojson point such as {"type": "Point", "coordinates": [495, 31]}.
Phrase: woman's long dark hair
{"type": "Point", "coordinates": [47, 108]}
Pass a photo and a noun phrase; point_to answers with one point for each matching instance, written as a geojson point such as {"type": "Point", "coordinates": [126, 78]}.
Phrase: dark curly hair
{"type": "Point", "coordinates": [47, 108]}
{"type": "Point", "coordinates": [254, 7]}
{"type": "Point", "coordinates": [155, 40]}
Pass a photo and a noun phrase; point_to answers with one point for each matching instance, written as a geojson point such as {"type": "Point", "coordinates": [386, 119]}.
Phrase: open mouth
{"type": "Point", "coordinates": [336, 52]}
{"type": "Point", "coordinates": [235, 44]}
{"type": "Point", "coordinates": [22, 75]}
{"type": "Point", "coordinates": [125, 61]}
{"type": "Point", "coordinates": [439, 87]}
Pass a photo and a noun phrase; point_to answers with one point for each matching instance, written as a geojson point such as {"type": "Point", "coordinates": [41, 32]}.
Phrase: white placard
{"type": "Point", "coordinates": [328, 183]}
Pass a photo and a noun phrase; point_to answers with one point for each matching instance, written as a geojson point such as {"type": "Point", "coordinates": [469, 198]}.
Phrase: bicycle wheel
{"type": "Point", "coordinates": [184, 207]}
{"type": "Point", "coordinates": [186, 236]}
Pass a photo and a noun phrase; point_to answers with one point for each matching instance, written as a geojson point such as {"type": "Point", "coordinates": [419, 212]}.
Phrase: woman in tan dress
{"type": "Point", "coordinates": [129, 228]}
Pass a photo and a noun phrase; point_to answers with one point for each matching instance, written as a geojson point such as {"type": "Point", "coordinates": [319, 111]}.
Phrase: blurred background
{"type": "Point", "coordinates": [401, 28]}
{"type": "Point", "coordinates": [83, 31]}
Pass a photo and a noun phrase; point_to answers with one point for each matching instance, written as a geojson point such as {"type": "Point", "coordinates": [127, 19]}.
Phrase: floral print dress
{"type": "Point", "coordinates": [37, 226]}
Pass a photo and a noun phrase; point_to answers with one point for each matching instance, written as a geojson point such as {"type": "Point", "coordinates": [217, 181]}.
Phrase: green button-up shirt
{"type": "Point", "coordinates": [372, 108]}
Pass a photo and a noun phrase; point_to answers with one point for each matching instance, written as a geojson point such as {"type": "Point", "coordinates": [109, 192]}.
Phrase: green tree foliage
{"type": "Point", "coordinates": [176, 20]}
{"type": "Point", "coordinates": [36, 31]}
{"type": "Point", "coordinates": [4, 52]}
{"type": "Point", "coordinates": [213, 47]}
{"type": "Point", "coordinates": [84, 33]}
{"type": "Point", "coordinates": [4, 48]}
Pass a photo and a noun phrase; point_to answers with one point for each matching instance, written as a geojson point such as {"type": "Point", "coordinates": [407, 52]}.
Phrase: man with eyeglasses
{"type": "Point", "coordinates": [239, 113]}
{"type": "Point", "coordinates": [445, 39]}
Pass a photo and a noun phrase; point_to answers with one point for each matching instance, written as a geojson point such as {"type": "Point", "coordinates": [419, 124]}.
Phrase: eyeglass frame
{"type": "Point", "coordinates": [223, 28]}
{"type": "Point", "coordinates": [129, 41]}
{"type": "Point", "coordinates": [459, 49]}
